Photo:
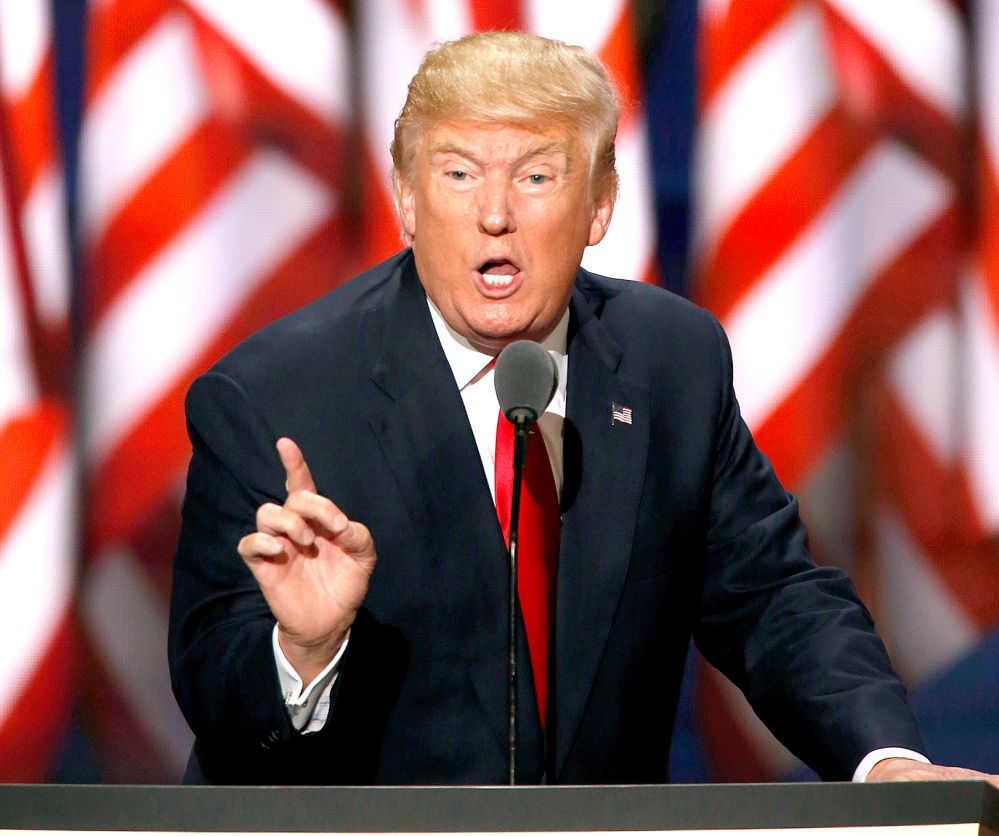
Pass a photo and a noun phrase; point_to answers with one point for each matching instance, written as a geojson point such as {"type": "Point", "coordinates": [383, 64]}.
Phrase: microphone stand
{"type": "Point", "coordinates": [521, 434]}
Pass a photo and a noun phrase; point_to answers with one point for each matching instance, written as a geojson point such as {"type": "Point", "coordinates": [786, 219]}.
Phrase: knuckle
{"type": "Point", "coordinates": [250, 545]}
{"type": "Point", "coordinates": [267, 511]}
{"type": "Point", "coordinates": [299, 498]}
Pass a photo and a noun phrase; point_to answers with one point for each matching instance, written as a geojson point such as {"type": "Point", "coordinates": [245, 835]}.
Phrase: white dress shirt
{"type": "Point", "coordinates": [474, 373]}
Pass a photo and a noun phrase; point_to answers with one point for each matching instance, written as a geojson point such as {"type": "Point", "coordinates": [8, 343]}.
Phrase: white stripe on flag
{"type": "Point", "coordinates": [566, 21]}
{"type": "Point", "coordinates": [127, 619]}
{"type": "Point", "coordinates": [176, 305]}
{"type": "Point", "coordinates": [46, 245]}
{"type": "Point", "coordinates": [126, 144]}
{"type": "Point", "coordinates": [24, 40]}
{"type": "Point", "coordinates": [36, 573]}
{"type": "Point", "coordinates": [299, 44]}
{"type": "Point", "coordinates": [981, 348]}
{"type": "Point", "coordinates": [924, 44]}
{"type": "Point", "coordinates": [769, 104]}
{"type": "Point", "coordinates": [789, 318]}
{"type": "Point", "coordinates": [927, 627]}
{"type": "Point", "coordinates": [923, 372]}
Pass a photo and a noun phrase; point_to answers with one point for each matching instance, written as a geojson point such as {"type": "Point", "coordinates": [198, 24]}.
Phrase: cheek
{"type": "Point", "coordinates": [442, 217]}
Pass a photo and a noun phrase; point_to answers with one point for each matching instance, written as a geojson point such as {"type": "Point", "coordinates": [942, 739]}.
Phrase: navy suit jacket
{"type": "Point", "coordinates": [673, 527]}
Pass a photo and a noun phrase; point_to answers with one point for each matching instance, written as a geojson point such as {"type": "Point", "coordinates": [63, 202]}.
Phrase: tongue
{"type": "Point", "coordinates": [501, 268]}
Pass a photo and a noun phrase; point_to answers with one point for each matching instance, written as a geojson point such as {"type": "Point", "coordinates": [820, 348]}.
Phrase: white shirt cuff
{"type": "Point", "coordinates": [867, 764]}
{"type": "Point", "coordinates": [307, 708]}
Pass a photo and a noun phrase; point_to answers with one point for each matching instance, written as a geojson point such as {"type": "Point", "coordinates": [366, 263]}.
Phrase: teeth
{"type": "Point", "coordinates": [496, 279]}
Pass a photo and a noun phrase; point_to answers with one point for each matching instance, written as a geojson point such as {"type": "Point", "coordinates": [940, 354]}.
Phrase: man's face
{"type": "Point", "coordinates": [499, 217]}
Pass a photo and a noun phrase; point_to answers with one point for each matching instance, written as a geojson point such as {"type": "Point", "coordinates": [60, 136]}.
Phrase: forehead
{"type": "Point", "coordinates": [501, 141]}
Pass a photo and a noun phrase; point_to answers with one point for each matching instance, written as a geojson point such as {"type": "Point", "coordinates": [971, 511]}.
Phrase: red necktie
{"type": "Point", "coordinates": [537, 544]}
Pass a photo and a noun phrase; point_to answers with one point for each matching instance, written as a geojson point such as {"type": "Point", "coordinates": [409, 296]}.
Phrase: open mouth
{"type": "Point", "coordinates": [498, 273]}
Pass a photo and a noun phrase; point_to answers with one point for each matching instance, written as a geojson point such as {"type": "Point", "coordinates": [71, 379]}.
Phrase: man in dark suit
{"type": "Point", "coordinates": [361, 638]}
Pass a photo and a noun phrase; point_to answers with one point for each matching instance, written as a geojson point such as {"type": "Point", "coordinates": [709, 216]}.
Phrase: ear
{"type": "Point", "coordinates": [603, 209]}
{"type": "Point", "coordinates": [405, 204]}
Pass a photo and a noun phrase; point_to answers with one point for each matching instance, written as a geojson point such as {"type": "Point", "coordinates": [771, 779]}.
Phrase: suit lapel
{"type": "Point", "coordinates": [604, 467]}
{"type": "Point", "coordinates": [428, 444]}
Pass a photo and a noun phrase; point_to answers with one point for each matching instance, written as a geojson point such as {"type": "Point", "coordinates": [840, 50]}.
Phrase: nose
{"type": "Point", "coordinates": [494, 207]}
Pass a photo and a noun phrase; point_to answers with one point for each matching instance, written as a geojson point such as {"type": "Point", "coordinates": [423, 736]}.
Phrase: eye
{"type": "Point", "coordinates": [537, 179]}
{"type": "Point", "coordinates": [458, 175]}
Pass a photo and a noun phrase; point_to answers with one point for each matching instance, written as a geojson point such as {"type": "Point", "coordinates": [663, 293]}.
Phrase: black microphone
{"type": "Point", "coordinates": [526, 378]}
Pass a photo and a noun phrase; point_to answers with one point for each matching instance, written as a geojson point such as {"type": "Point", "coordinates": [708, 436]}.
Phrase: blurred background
{"type": "Point", "coordinates": [822, 174]}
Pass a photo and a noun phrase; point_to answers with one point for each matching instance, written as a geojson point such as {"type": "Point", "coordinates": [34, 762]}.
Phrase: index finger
{"type": "Point", "coordinates": [299, 478]}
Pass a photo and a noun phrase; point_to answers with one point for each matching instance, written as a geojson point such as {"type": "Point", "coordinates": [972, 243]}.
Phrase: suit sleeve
{"type": "Point", "coordinates": [794, 637]}
{"type": "Point", "coordinates": [221, 658]}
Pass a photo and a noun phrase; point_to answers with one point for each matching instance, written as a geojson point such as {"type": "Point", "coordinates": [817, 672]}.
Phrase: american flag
{"type": "Point", "coordinates": [841, 145]}
{"type": "Point", "coordinates": [621, 414]}
{"type": "Point", "coordinates": [220, 185]}
{"type": "Point", "coordinates": [37, 476]}
{"type": "Point", "coordinates": [843, 233]}
{"type": "Point", "coordinates": [210, 203]}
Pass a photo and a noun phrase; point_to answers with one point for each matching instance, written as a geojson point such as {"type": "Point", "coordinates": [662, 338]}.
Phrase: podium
{"type": "Point", "coordinates": [904, 809]}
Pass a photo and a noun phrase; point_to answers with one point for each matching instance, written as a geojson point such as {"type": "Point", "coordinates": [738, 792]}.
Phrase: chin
{"type": "Point", "coordinates": [492, 342]}
{"type": "Point", "coordinates": [496, 333]}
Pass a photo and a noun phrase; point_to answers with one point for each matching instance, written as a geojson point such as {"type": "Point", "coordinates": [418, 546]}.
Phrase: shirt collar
{"type": "Point", "coordinates": [467, 362]}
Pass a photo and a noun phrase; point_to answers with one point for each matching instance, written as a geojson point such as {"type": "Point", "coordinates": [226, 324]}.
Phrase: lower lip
{"type": "Point", "coordinates": [498, 291]}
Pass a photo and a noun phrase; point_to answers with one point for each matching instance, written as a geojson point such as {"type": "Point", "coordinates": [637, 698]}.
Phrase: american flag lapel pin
{"type": "Point", "coordinates": [620, 414]}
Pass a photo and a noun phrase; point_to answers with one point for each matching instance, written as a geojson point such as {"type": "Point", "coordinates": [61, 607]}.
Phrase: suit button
{"type": "Point", "coordinates": [269, 739]}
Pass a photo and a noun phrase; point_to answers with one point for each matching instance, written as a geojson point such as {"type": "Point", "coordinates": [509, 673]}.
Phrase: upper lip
{"type": "Point", "coordinates": [490, 262]}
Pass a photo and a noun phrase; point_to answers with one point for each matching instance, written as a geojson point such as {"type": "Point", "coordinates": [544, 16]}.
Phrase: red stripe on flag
{"type": "Point", "coordinates": [777, 213]}
{"type": "Point", "coordinates": [380, 231]}
{"type": "Point", "coordinates": [988, 242]}
{"type": "Point", "coordinates": [727, 38]}
{"type": "Point", "coordinates": [619, 54]}
{"type": "Point", "coordinates": [147, 223]}
{"type": "Point", "coordinates": [32, 129]}
{"type": "Point", "coordinates": [731, 753]}
{"type": "Point", "coordinates": [127, 754]}
{"type": "Point", "coordinates": [26, 443]}
{"type": "Point", "coordinates": [489, 15]}
{"type": "Point", "coordinates": [259, 111]}
{"type": "Point", "coordinates": [802, 428]}
{"type": "Point", "coordinates": [877, 94]}
{"type": "Point", "coordinates": [147, 462]}
{"type": "Point", "coordinates": [33, 728]}
{"type": "Point", "coordinates": [938, 509]}
{"type": "Point", "coordinates": [113, 30]}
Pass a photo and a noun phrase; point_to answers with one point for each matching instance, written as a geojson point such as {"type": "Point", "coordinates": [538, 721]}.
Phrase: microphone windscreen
{"type": "Point", "coordinates": [526, 378]}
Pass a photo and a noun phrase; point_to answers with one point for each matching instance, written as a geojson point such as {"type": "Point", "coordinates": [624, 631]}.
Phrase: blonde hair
{"type": "Point", "coordinates": [514, 78]}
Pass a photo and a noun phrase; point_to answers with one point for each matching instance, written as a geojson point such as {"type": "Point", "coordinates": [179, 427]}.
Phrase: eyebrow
{"type": "Point", "coordinates": [538, 149]}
